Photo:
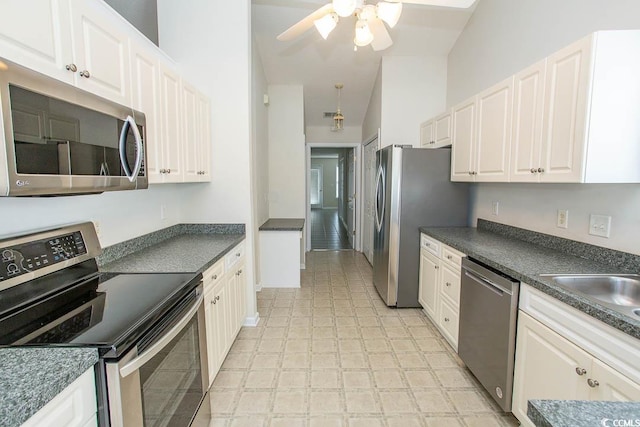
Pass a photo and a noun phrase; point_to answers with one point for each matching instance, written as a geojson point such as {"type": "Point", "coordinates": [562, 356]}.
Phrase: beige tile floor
{"type": "Point", "coordinates": [332, 354]}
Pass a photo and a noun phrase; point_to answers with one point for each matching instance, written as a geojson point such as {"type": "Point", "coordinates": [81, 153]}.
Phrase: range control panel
{"type": "Point", "coordinates": [31, 256]}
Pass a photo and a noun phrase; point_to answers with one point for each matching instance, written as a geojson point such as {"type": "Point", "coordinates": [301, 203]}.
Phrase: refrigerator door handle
{"type": "Point", "coordinates": [380, 183]}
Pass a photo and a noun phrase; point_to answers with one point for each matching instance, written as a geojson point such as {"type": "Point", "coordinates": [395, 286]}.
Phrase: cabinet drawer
{"type": "Point", "coordinates": [213, 275]}
{"type": "Point", "coordinates": [452, 257]}
{"type": "Point", "coordinates": [234, 256]}
{"type": "Point", "coordinates": [449, 323]}
{"type": "Point", "coordinates": [430, 244]}
{"type": "Point", "coordinates": [451, 284]}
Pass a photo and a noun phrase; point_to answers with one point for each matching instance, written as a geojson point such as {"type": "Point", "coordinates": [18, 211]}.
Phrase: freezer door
{"type": "Point", "coordinates": [381, 241]}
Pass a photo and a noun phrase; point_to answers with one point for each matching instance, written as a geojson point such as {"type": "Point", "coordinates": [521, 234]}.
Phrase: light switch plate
{"type": "Point", "coordinates": [600, 225]}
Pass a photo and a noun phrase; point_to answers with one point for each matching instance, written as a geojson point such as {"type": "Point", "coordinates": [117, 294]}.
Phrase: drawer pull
{"type": "Point", "coordinates": [581, 371]}
{"type": "Point", "coordinates": [448, 284]}
{"type": "Point", "coordinates": [238, 254]}
{"type": "Point", "coordinates": [593, 383]}
{"type": "Point", "coordinates": [449, 257]}
{"type": "Point", "coordinates": [446, 319]}
{"type": "Point", "coordinates": [214, 277]}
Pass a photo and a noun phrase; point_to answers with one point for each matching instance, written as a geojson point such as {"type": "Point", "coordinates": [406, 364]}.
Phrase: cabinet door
{"type": "Point", "coordinates": [204, 137]}
{"type": "Point", "coordinates": [463, 141]}
{"type": "Point", "coordinates": [493, 142]}
{"type": "Point", "coordinates": [442, 130]}
{"type": "Point", "coordinates": [219, 324]}
{"type": "Point", "coordinates": [210, 329]}
{"type": "Point", "coordinates": [611, 384]}
{"type": "Point", "coordinates": [448, 322]}
{"type": "Point", "coordinates": [36, 34]}
{"type": "Point", "coordinates": [230, 308]}
{"type": "Point", "coordinates": [428, 286]}
{"type": "Point", "coordinates": [146, 98]}
{"type": "Point", "coordinates": [171, 106]}
{"type": "Point", "coordinates": [101, 52]}
{"type": "Point", "coordinates": [426, 134]}
{"type": "Point", "coordinates": [568, 78]}
{"type": "Point", "coordinates": [190, 133]}
{"type": "Point", "coordinates": [241, 287]}
{"type": "Point", "coordinates": [450, 285]}
{"type": "Point", "coordinates": [526, 134]}
{"type": "Point", "coordinates": [545, 367]}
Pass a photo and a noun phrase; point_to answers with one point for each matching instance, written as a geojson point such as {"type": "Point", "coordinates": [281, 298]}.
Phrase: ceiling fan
{"type": "Point", "coordinates": [370, 28]}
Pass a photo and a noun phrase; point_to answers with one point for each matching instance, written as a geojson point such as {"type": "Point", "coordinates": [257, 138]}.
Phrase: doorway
{"type": "Point", "coordinates": [332, 198]}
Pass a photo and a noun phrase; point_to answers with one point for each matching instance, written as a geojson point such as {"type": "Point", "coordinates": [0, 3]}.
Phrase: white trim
{"type": "Point", "coordinates": [303, 266]}
{"type": "Point", "coordinates": [366, 142]}
{"type": "Point", "coordinates": [258, 287]}
{"type": "Point", "coordinates": [252, 321]}
{"type": "Point", "coordinates": [357, 146]}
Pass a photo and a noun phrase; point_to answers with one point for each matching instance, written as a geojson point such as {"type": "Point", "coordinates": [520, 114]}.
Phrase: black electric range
{"type": "Point", "coordinates": [76, 305]}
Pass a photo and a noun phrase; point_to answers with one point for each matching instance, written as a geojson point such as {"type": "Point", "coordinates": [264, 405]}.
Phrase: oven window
{"type": "Point", "coordinates": [172, 381]}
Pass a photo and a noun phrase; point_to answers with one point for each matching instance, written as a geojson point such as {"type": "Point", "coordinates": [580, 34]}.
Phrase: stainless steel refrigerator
{"type": "Point", "coordinates": [413, 189]}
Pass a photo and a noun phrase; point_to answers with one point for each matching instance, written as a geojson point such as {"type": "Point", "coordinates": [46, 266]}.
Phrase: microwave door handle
{"type": "Point", "coordinates": [161, 343]}
{"type": "Point", "coordinates": [130, 123]}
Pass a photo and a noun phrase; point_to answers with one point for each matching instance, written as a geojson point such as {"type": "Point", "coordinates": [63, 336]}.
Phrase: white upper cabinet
{"type": "Point", "coordinates": [482, 135]}
{"type": "Point", "coordinates": [204, 137]}
{"type": "Point", "coordinates": [436, 132]}
{"type": "Point", "coordinates": [36, 34]}
{"type": "Point", "coordinates": [101, 51]}
{"type": "Point", "coordinates": [565, 114]}
{"type": "Point", "coordinates": [493, 142]}
{"type": "Point", "coordinates": [463, 140]}
{"type": "Point", "coordinates": [526, 130]}
{"type": "Point", "coordinates": [171, 124]}
{"type": "Point", "coordinates": [190, 132]}
{"type": "Point", "coordinates": [145, 75]}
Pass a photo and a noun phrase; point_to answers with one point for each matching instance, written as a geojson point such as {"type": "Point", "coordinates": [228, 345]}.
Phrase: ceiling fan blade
{"type": "Point", "coordinates": [381, 37]}
{"type": "Point", "coordinates": [305, 23]}
{"type": "Point", "coordinates": [460, 4]}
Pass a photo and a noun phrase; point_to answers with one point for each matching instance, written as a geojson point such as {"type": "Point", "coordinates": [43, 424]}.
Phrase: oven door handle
{"type": "Point", "coordinates": [161, 343]}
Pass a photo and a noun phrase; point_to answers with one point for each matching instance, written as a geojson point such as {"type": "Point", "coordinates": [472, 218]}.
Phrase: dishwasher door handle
{"type": "Point", "coordinates": [492, 286]}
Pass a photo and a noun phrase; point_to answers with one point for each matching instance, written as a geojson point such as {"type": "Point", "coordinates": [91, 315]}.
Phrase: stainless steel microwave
{"type": "Point", "coordinates": [57, 139]}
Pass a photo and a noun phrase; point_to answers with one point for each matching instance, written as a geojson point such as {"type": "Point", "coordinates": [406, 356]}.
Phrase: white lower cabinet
{"type": "Point", "coordinates": [550, 366]}
{"type": "Point", "coordinates": [439, 287]}
{"type": "Point", "coordinates": [75, 406]}
{"type": "Point", "coordinates": [225, 306]}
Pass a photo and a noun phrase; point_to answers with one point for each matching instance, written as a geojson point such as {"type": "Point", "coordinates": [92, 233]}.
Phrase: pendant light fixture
{"type": "Point", "coordinates": [338, 118]}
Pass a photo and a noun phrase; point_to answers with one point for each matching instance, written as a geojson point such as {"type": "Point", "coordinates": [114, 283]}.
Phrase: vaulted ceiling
{"type": "Point", "coordinates": [319, 64]}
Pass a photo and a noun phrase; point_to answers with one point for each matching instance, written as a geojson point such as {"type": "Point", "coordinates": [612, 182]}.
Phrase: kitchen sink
{"type": "Point", "coordinates": [620, 292]}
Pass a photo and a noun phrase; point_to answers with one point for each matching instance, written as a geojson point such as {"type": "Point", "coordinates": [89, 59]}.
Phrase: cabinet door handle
{"type": "Point", "coordinates": [580, 371]}
{"type": "Point", "coordinates": [71, 67]}
{"type": "Point", "coordinates": [217, 297]}
{"type": "Point", "coordinates": [540, 170]}
{"type": "Point", "coordinates": [213, 301]}
{"type": "Point", "coordinates": [449, 257]}
{"type": "Point", "coordinates": [534, 170]}
{"type": "Point", "coordinates": [238, 254]}
{"type": "Point", "coordinates": [214, 277]}
{"type": "Point", "coordinates": [593, 383]}
{"type": "Point", "coordinates": [446, 319]}
{"type": "Point", "coordinates": [85, 74]}
{"type": "Point", "coordinates": [168, 170]}
{"type": "Point", "coordinates": [436, 267]}
{"type": "Point", "coordinates": [448, 284]}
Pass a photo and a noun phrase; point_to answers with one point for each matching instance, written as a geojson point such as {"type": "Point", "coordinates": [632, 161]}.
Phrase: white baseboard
{"type": "Point", "coordinates": [303, 266]}
{"type": "Point", "coordinates": [252, 321]}
{"type": "Point", "coordinates": [258, 287]}
{"type": "Point", "coordinates": [282, 285]}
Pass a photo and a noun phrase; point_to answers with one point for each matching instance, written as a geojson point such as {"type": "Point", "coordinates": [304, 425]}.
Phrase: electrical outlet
{"type": "Point", "coordinates": [563, 218]}
{"type": "Point", "coordinates": [600, 225]}
{"type": "Point", "coordinates": [495, 209]}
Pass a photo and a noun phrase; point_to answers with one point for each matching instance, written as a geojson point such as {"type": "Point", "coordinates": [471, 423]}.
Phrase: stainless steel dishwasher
{"type": "Point", "coordinates": [487, 336]}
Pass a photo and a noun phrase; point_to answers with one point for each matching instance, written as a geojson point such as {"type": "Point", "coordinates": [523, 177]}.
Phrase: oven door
{"type": "Point", "coordinates": [162, 381]}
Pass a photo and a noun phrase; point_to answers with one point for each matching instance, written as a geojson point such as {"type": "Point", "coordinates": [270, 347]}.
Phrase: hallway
{"type": "Point", "coordinates": [326, 230]}
{"type": "Point", "coordinates": [332, 354]}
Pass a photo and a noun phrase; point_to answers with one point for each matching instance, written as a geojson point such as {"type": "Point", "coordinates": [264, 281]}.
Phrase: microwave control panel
{"type": "Point", "coordinates": [21, 259]}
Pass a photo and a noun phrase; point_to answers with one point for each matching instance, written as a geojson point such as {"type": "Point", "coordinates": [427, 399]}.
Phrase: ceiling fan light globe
{"type": "Point", "coordinates": [344, 8]}
{"type": "Point", "coordinates": [326, 24]}
{"type": "Point", "coordinates": [389, 12]}
{"type": "Point", "coordinates": [363, 34]}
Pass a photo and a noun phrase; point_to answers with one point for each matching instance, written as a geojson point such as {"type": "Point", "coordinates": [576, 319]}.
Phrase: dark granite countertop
{"type": "Point", "coordinates": [525, 261]}
{"type": "Point", "coordinates": [283, 224]}
{"type": "Point", "coordinates": [192, 252]}
{"type": "Point", "coordinates": [577, 413]}
{"type": "Point", "coordinates": [31, 377]}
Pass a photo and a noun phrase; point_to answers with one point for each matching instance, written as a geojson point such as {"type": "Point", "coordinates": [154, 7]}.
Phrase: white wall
{"type": "Point", "coordinates": [504, 36]}
{"type": "Point", "coordinates": [350, 134]}
{"type": "Point", "coordinates": [260, 140]}
{"type": "Point", "coordinates": [217, 59]}
{"type": "Point", "coordinates": [413, 90]}
{"type": "Point", "coordinates": [286, 152]}
{"type": "Point", "coordinates": [121, 215]}
{"type": "Point", "coordinates": [372, 119]}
